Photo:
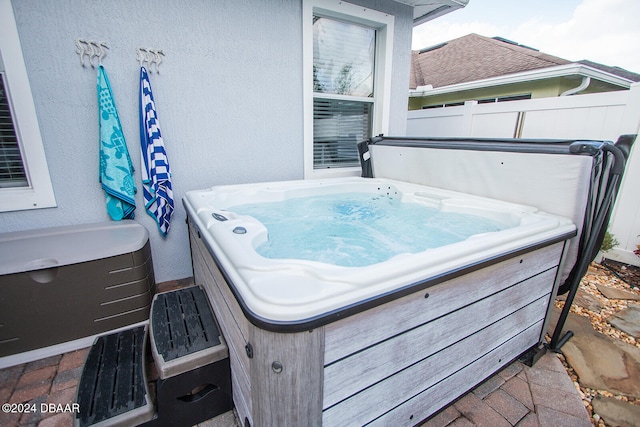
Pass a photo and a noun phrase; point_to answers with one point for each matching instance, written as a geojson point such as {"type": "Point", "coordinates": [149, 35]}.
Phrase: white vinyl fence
{"type": "Point", "coordinates": [595, 116]}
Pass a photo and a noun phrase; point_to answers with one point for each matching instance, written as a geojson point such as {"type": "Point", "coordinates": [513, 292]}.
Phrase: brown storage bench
{"type": "Point", "coordinates": [66, 283]}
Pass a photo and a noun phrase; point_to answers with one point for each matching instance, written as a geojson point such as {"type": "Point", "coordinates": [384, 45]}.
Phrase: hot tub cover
{"type": "Point", "coordinates": [579, 179]}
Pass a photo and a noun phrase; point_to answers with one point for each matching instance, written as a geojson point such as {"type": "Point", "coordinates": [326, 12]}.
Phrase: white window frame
{"type": "Point", "coordinates": [39, 193]}
{"type": "Point", "coordinates": [384, 25]}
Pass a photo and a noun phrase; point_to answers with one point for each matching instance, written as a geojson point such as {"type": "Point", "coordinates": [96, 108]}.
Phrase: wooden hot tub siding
{"type": "Point", "coordinates": [394, 364]}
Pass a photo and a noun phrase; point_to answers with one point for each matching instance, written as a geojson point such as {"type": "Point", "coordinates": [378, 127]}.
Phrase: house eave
{"type": "Point", "coordinates": [426, 10]}
{"type": "Point", "coordinates": [527, 76]}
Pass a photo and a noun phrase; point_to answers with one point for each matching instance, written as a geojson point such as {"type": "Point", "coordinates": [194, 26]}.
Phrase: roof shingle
{"type": "Point", "coordinates": [474, 57]}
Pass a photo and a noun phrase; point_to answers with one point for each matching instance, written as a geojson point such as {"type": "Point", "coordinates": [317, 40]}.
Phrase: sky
{"type": "Point", "coordinates": [604, 31]}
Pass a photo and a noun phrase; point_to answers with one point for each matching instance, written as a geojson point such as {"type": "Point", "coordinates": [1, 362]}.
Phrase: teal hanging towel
{"type": "Point", "coordinates": [116, 169]}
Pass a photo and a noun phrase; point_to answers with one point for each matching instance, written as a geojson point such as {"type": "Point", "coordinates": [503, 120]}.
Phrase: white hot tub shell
{"type": "Point", "coordinates": [293, 290]}
{"type": "Point", "coordinates": [390, 343]}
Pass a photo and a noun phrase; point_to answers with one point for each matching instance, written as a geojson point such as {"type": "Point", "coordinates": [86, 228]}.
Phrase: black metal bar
{"type": "Point", "coordinates": [566, 337]}
{"type": "Point", "coordinates": [593, 242]}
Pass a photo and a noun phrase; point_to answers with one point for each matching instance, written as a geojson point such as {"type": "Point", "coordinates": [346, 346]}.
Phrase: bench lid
{"type": "Point", "coordinates": [59, 246]}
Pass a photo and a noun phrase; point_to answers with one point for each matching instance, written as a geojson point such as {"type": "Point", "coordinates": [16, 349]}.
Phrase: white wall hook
{"type": "Point", "coordinates": [149, 57]}
{"type": "Point", "coordinates": [157, 57]}
{"type": "Point", "coordinates": [81, 50]}
{"type": "Point", "coordinates": [101, 51]}
{"type": "Point", "coordinates": [140, 56]}
{"type": "Point", "coordinates": [91, 49]}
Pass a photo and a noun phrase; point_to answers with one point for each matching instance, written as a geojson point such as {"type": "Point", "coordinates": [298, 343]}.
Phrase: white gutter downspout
{"type": "Point", "coordinates": [585, 83]}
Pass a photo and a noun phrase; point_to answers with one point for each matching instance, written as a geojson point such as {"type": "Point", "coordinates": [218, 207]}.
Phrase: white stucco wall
{"type": "Point", "coordinates": [228, 96]}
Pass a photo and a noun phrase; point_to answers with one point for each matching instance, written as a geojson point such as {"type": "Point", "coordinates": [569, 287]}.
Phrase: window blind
{"type": "Point", "coordinates": [12, 171]}
{"type": "Point", "coordinates": [338, 126]}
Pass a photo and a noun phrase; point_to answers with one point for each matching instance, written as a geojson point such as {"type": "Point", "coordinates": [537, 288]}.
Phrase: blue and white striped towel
{"type": "Point", "coordinates": [116, 169]}
{"type": "Point", "coordinates": [156, 174]}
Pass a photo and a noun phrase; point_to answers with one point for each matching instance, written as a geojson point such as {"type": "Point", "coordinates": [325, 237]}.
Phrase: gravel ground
{"type": "Point", "coordinates": [617, 275]}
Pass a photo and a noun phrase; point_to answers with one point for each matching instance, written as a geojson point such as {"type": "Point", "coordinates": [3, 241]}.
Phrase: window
{"type": "Point", "coordinates": [343, 68]}
{"type": "Point", "coordinates": [24, 175]}
{"type": "Point", "coordinates": [12, 173]}
{"type": "Point", "coordinates": [347, 63]}
{"type": "Point", "coordinates": [448, 104]}
{"type": "Point", "coordinates": [505, 98]}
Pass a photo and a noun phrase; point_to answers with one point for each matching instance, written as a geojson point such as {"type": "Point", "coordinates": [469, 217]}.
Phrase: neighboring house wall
{"type": "Point", "coordinates": [474, 67]}
{"type": "Point", "coordinates": [228, 96]}
{"type": "Point", "coordinates": [538, 89]}
{"type": "Point", "coordinates": [596, 116]}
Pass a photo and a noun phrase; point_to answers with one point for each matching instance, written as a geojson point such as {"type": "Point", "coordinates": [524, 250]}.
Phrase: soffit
{"type": "Point", "coordinates": [426, 10]}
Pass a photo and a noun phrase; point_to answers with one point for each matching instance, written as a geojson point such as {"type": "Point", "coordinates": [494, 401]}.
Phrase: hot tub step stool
{"type": "Point", "coordinates": [190, 356]}
{"type": "Point", "coordinates": [113, 387]}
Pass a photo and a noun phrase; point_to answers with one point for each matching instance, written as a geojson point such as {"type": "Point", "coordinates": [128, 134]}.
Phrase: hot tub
{"type": "Point", "coordinates": [295, 292]}
{"type": "Point", "coordinates": [389, 342]}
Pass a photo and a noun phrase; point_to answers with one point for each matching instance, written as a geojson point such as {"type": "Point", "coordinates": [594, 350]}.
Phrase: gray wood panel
{"type": "Point", "coordinates": [554, 292]}
{"type": "Point", "coordinates": [431, 400]}
{"type": "Point", "coordinates": [367, 328]}
{"type": "Point", "coordinates": [239, 400]}
{"type": "Point", "coordinates": [292, 396]}
{"type": "Point", "coordinates": [373, 364]}
{"type": "Point", "coordinates": [395, 390]}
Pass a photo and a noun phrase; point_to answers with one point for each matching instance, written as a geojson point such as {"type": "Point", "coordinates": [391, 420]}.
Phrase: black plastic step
{"type": "Point", "coordinates": [184, 332]}
{"type": "Point", "coordinates": [113, 385]}
{"type": "Point", "coordinates": [191, 398]}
